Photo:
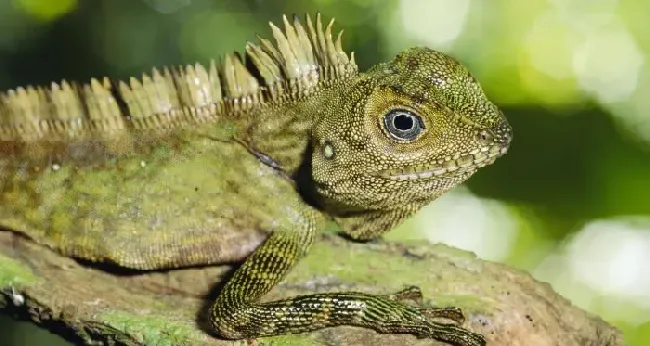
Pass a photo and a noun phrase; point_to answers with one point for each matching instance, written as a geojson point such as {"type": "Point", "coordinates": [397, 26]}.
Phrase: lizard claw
{"type": "Point", "coordinates": [450, 313]}
{"type": "Point", "coordinates": [470, 339]}
{"type": "Point", "coordinates": [453, 335]}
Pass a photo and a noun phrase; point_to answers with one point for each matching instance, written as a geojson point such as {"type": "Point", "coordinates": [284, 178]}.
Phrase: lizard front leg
{"type": "Point", "coordinates": [238, 314]}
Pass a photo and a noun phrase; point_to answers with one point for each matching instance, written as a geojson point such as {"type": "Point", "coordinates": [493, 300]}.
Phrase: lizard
{"type": "Point", "coordinates": [245, 161]}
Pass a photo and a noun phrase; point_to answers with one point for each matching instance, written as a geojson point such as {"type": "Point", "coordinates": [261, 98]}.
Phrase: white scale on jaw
{"type": "Point", "coordinates": [476, 158]}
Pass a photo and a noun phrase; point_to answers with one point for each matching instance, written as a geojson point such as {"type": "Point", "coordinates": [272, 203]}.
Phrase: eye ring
{"type": "Point", "coordinates": [403, 125]}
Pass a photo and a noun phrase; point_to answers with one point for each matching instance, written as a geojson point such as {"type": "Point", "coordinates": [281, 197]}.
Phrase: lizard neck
{"type": "Point", "coordinates": [280, 134]}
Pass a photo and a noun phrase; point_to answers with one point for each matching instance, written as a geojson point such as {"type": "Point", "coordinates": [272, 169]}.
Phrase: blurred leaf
{"type": "Point", "coordinates": [46, 10]}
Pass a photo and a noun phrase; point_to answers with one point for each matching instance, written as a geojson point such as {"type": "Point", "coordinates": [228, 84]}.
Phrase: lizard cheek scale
{"type": "Point", "coordinates": [247, 161]}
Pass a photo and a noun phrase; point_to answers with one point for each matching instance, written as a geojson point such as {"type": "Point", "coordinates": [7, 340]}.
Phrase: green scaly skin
{"type": "Point", "coordinates": [260, 183]}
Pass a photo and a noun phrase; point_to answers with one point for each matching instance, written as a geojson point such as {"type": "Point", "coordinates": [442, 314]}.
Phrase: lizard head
{"type": "Point", "coordinates": [403, 133]}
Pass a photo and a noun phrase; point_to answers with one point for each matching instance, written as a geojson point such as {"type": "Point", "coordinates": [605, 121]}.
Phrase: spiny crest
{"type": "Point", "coordinates": [301, 62]}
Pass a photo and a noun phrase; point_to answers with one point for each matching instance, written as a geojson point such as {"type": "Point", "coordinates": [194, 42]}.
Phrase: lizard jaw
{"type": "Point", "coordinates": [455, 165]}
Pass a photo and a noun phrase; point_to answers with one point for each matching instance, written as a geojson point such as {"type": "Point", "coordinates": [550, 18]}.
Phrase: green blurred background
{"type": "Point", "coordinates": [571, 201]}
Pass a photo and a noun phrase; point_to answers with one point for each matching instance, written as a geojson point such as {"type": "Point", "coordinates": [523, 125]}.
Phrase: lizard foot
{"type": "Point", "coordinates": [415, 294]}
{"type": "Point", "coordinates": [444, 332]}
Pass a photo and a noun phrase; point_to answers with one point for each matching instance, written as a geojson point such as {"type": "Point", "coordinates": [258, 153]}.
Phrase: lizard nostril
{"type": "Point", "coordinates": [485, 136]}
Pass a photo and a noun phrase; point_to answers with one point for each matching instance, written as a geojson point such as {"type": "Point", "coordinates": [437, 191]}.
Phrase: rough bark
{"type": "Point", "coordinates": [91, 304]}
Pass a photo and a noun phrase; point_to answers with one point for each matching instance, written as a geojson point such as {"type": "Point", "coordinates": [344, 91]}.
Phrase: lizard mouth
{"type": "Point", "coordinates": [452, 166]}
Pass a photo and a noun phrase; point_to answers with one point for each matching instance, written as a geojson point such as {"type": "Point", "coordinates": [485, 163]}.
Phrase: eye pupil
{"type": "Point", "coordinates": [403, 122]}
{"type": "Point", "coordinates": [403, 125]}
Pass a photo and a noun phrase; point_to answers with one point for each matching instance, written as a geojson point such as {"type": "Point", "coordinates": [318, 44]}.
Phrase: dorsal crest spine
{"type": "Point", "coordinates": [302, 61]}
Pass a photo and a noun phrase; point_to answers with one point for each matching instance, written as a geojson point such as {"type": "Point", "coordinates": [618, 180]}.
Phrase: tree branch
{"type": "Point", "coordinates": [87, 304]}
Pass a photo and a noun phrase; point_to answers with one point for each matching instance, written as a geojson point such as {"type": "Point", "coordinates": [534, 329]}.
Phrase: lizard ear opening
{"type": "Point", "coordinates": [328, 150]}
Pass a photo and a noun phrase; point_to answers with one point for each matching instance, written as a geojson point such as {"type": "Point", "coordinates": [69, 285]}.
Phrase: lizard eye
{"type": "Point", "coordinates": [403, 125]}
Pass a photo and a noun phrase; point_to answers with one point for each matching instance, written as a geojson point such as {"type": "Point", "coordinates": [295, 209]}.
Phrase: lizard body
{"type": "Point", "coordinates": [247, 160]}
